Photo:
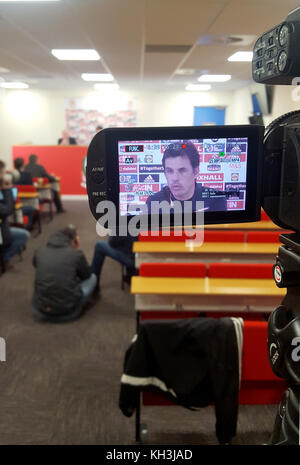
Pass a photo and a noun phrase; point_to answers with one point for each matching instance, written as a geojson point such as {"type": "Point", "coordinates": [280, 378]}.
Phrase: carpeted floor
{"type": "Point", "coordinates": [60, 383]}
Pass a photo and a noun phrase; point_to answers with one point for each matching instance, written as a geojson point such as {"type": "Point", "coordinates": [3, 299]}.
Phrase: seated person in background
{"type": "Point", "coordinates": [63, 280]}
{"type": "Point", "coordinates": [20, 177]}
{"type": "Point", "coordinates": [181, 167]}
{"type": "Point", "coordinates": [38, 171]}
{"type": "Point", "coordinates": [66, 139]}
{"type": "Point", "coordinates": [14, 239]}
{"type": "Point", "coordinates": [118, 248]}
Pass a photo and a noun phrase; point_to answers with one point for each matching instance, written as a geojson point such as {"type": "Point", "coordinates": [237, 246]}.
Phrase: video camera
{"type": "Point", "coordinates": [241, 163]}
{"type": "Point", "coordinates": [238, 170]}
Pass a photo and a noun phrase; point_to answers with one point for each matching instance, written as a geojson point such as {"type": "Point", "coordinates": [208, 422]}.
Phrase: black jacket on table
{"type": "Point", "coordinates": [6, 209]}
{"type": "Point", "coordinates": [195, 361]}
{"type": "Point", "coordinates": [211, 202]}
{"type": "Point", "coordinates": [38, 171]}
{"type": "Point", "coordinates": [59, 270]}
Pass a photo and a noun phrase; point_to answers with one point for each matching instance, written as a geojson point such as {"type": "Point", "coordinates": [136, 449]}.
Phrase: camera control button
{"type": "Point", "coordinates": [98, 177]}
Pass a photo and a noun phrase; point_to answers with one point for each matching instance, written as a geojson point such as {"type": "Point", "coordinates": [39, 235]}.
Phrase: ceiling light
{"type": "Point", "coordinates": [76, 55]}
{"type": "Point", "coordinates": [106, 86]}
{"type": "Point", "coordinates": [14, 85]}
{"type": "Point", "coordinates": [104, 77]}
{"type": "Point", "coordinates": [185, 71]}
{"type": "Point", "coordinates": [214, 78]}
{"type": "Point", "coordinates": [199, 87]}
{"type": "Point", "coordinates": [241, 56]}
{"type": "Point", "coordinates": [4, 70]}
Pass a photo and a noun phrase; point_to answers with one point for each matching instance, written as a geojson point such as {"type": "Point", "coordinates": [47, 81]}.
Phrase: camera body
{"type": "Point", "coordinates": [276, 59]}
{"type": "Point", "coordinates": [129, 167]}
{"type": "Point", "coordinates": [125, 165]}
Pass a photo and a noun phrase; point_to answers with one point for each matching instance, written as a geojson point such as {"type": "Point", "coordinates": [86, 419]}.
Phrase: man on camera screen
{"type": "Point", "coordinates": [181, 167]}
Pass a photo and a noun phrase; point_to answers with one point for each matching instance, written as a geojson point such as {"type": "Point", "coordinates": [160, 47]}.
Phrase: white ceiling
{"type": "Point", "coordinates": [120, 29]}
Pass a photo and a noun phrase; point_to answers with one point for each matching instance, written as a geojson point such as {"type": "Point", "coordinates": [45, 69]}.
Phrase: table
{"type": "Point", "coordinates": [175, 252]}
{"type": "Point", "coordinates": [205, 294]}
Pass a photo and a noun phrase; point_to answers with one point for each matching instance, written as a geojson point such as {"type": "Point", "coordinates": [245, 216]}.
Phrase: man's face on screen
{"type": "Point", "coordinates": [180, 177]}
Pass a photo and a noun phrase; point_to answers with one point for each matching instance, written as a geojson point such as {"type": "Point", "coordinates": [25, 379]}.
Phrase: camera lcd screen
{"type": "Point", "coordinates": [210, 170]}
{"type": "Point", "coordinates": [214, 169]}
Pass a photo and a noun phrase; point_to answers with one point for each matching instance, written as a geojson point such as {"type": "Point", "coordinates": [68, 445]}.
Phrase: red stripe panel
{"type": "Point", "coordinates": [171, 237]}
{"type": "Point", "coordinates": [264, 216]}
{"type": "Point", "coordinates": [264, 236]}
{"type": "Point", "coordinates": [25, 188]}
{"type": "Point", "coordinates": [224, 236]}
{"type": "Point", "coordinates": [241, 270]}
{"type": "Point", "coordinates": [179, 270]}
{"type": "Point", "coordinates": [261, 392]}
{"type": "Point", "coordinates": [209, 236]}
{"type": "Point", "coordinates": [246, 316]}
{"type": "Point", "coordinates": [167, 315]}
{"type": "Point", "coordinates": [255, 361]}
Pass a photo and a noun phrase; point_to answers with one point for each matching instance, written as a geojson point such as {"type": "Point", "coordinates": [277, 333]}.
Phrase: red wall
{"type": "Point", "coordinates": [65, 162]}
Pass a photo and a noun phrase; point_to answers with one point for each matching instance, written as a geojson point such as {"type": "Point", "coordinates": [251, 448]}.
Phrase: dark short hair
{"type": "Point", "coordinates": [19, 163]}
{"type": "Point", "coordinates": [2, 165]}
{"type": "Point", "coordinates": [182, 149]}
{"type": "Point", "coordinates": [70, 231]}
{"type": "Point", "coordinates": [33, 158]}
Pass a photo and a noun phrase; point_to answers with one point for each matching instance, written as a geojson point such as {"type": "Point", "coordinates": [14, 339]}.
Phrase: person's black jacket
{"type": "Point", "coordinates": [59, 270]}
{"type": "Point", "coordinates": [25, 179]}
{"type": "Point", "coordinates": [38, 171]}
{"type": "Point", "coordinates": [72, 141]}
{"type": "Point", "coordinates": [194, 361]}
{"type": "Point", "coordinates": [211, 203]}
{"type": "Point", "coordinates": [6, 209]}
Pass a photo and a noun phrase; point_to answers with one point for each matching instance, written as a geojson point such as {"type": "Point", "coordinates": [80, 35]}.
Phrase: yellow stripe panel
{"type": "Point", "coordinates": [205, 286]}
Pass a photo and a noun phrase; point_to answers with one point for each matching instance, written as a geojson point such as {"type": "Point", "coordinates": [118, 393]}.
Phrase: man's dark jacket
{"type": "Point", "coordinates": [38, 171]}
{"type": "Point", "coordinates": [200, 194]}
{"type": "Point", "coordinates": [6, 209]}
{"type": "Point", "coordinates": [25, 179]}
{"type": "Point", "coordinates": [59, 270]}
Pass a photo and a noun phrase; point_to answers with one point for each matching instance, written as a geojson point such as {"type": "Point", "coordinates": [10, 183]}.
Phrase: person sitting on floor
{"type": "Point", "coordinates": [63, 280]}
{"type": "Point", "coordinates": [38, 171]}
{"type": "Point", "coordinates": [118, 248]}
{"type": "Point", "coordinates": [13, 239]}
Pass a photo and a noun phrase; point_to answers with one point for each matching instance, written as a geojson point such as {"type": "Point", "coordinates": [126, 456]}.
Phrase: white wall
{"type": "Point", "coordinates": [284, 100]}
{"type": "Point", "coordinates": [38, 117]}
